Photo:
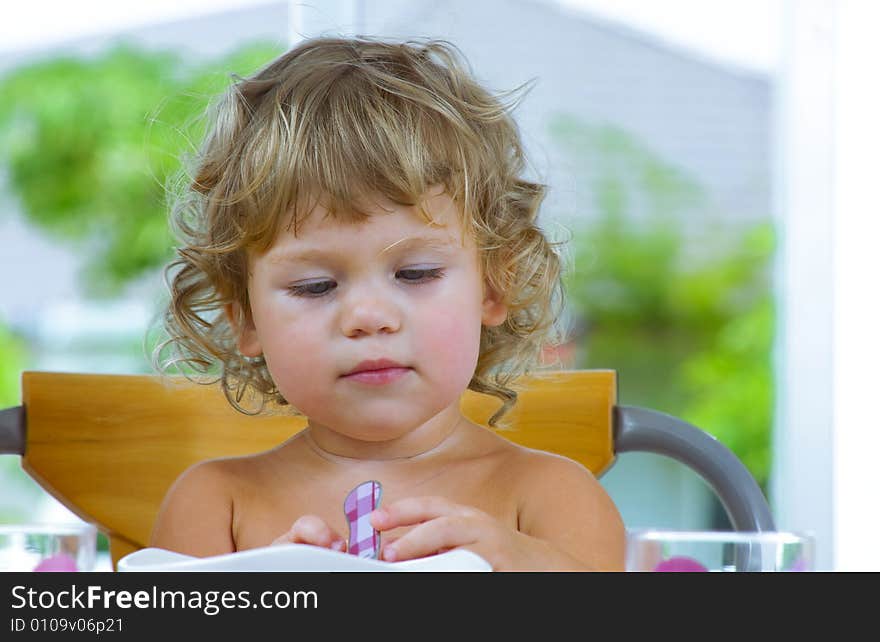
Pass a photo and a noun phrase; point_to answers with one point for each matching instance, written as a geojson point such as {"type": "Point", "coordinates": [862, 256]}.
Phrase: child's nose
{"type": "Point", "coordinates": [369, 312]}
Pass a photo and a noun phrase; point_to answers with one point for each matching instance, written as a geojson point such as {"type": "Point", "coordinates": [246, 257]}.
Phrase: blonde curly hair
{"type": "Point", "coordinates": [341, 118]}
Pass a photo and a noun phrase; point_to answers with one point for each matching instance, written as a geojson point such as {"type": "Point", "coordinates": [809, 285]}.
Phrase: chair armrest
{"type": "Point", "coordinates": [12, 431]}
{"type": "Point", "coordinates": [643, 430]}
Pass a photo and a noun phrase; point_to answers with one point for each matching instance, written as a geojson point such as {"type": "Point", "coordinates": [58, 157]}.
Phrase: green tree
{"type": "Point", "coordinates": [12, 359]}
{"type": "Point", "coordinates": [90, 145]}
{"type": "Point", "coordinates": [677, 302]}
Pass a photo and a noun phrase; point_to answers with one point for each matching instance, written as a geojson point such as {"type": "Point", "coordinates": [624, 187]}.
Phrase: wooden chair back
{"type": "Point", "coordinates": [109, 446]}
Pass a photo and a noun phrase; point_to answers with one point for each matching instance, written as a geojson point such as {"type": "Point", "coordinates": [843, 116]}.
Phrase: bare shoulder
{"type": "Point", "coordinates": [562, 502]}
{"type": "Point", "coordinates": [540, 473]}
{"type": "Point", "coordinates": [196, 513]}
{"type": "Point", "coordinates": [534, 470]}
{"type": "Point", "coordinates": [204, 478]}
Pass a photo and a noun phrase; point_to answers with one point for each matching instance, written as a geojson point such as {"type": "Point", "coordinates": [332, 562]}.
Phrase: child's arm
{"type": "Point", "coordinates": [196, 515]}
{"type": "Point", "coordinates": [569, 509]}
{"type": "Point", "coordinates": [566, 522]}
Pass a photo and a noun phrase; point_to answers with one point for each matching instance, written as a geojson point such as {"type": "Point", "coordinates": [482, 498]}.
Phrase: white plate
{"type": "Point", "coordinates": [294, 558]}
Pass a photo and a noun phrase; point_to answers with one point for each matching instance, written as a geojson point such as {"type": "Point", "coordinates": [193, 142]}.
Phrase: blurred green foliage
{"type": "Point", "coordinates": [12, 360]}
{"type": "Point", "coordinates": [677, 301]}
{"type": "Point", "coordinates": [90, 144]}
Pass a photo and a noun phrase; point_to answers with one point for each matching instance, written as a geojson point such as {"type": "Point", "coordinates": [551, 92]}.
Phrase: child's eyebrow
{"type": "Point", "coordinates": [447, 244]}
{"type": "Point", "coordinates": [432, 242]}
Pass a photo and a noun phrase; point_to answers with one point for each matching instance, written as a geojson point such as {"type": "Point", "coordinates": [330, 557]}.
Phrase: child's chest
{"type": "Point", "coordinates": [265, 512]}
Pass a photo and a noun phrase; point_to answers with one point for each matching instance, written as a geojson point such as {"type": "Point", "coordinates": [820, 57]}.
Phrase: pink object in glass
{"type": "Point", "coordinates": [363, 540]}
{"type": "Point", "coordinates": [680, 565]}
{"type": "Point", "coordinates": [58, 563]}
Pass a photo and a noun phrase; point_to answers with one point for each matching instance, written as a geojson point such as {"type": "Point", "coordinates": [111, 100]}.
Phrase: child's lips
{"type": "Point", "coordinates": [378, 377]}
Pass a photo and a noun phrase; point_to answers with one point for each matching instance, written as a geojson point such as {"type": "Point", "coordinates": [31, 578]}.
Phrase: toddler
{"type": "Point", "coordinates": [357, 244]}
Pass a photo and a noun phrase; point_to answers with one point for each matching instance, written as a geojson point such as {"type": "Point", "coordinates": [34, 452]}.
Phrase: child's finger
{"type": "Point", "coordinates": [415, 510]}
{"type": "Point", "coordinates": [431, 537]}
{"type": "Point", "coordinates": [310, 529]}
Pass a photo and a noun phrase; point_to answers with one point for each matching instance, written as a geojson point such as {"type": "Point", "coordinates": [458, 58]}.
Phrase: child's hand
{"type": "Point", "coordinates": [310, 529]}
{"type": "Point", "coordinates": [442, 525]}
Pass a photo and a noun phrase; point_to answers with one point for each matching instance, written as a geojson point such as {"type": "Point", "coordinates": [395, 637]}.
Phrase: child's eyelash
{"type": "Point", "coordinates": [305, 290]}
{"type": "Point", "coordinates": [409, 275]}
{"type": "Point", "coordinates": [422, 274]}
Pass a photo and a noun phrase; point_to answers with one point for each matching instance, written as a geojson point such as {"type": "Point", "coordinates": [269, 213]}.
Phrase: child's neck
{"type": "Point", "coordinates": [411, 447]}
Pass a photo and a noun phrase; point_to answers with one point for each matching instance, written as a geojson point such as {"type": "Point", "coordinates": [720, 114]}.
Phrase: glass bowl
{"type": "Point", "coordinates": [48, 547]}
{"type": "Point", "coordinates": [694, 551]}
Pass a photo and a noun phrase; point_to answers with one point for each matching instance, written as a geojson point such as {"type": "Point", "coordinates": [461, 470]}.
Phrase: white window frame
{"type": "Point", "coordinates": [826, 475]}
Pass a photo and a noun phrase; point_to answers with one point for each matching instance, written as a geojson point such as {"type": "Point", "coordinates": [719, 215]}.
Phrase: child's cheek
{"type": "Point", "coordinates": [449, 347]}
{"type": "Point", "coordinates": [302, 371]}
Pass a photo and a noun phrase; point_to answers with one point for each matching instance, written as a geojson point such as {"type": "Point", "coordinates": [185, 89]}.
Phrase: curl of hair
{"type": "Point", "coordinates": [338, 119]}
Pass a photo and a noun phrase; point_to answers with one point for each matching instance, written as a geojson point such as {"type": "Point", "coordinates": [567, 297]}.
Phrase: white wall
{"type": "Point", "coordinates": [801, 482]}
{"type": "Point", "coordinates": [828, 437]}
{"type": "Point", "coordinates": [856, 270]}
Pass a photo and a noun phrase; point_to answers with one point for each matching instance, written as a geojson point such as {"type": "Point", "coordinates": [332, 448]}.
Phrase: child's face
{"type": "Point", "coordinates": [369, 291]}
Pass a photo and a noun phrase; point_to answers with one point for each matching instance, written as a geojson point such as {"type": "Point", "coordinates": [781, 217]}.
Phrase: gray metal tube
{"type": "Point", "coordinates": [12, 431]}
{"type": "Point", "coordinates": [643, 430]}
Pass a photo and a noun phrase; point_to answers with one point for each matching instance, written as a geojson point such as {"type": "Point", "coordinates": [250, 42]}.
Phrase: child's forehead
{"type": "Point", "coordinates": [435, 220]}
{"type": "Point", "coordinates": [386, 229]}
{"type": "Point", "coordinates": [296, 251]}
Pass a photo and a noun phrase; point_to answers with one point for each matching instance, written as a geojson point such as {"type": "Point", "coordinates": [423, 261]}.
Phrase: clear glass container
{"type": "Point", "coordinates": [48, 547]}
{"type": "Point", "coordinates": [725, 551]}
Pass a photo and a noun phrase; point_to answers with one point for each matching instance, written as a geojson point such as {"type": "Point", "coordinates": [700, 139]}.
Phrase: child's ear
{"type": "Point", "coordinates": [494, 308]}
{"type": "Point", "coordinates": [248, 341]}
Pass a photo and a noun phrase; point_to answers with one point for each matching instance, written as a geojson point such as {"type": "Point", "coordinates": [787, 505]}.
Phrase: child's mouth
{"type": "Point", "coordinates": [377, 377]}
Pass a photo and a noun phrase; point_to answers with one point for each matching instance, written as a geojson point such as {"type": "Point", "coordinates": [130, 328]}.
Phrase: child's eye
{"type": "Point", "coordinates": [314, 289]}
{"type": "Point", "coordinates": [419, 275]}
